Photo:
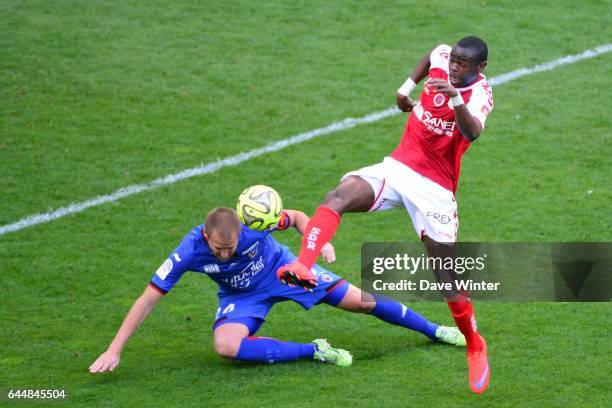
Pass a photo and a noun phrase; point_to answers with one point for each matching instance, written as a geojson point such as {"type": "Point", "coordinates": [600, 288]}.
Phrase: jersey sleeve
{"type": "Point", "coordinates": [285, 221]}
{"type": "Point", "coordinates": [439, 57]}
{"type": "Point", "coordinates": [481, 103]}
{"type": "Point", "coordinates": [173, 268]}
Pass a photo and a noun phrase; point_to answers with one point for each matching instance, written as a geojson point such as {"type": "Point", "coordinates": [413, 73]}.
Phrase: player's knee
{"type": "Point", "coordinates": [336, 201]}
{"type": "Point", "coordinates": [364, 307]}
{"type": "Point", "coordinates": [358, 306]}
{"type": "Point", "coordinates": [340, 200]}
{"type": "Point", "coordinates": [358, 301]}
{"type": "Point", "coordinates": [352, 195]}
{"type": "Point", "coordinates": [227, 347]}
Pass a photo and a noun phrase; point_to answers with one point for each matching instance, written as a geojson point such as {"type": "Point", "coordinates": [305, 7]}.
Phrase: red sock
{"type": "Point", "coordinates": [320, 230]}
{"type": "Point", "coordinates": [463, 313]}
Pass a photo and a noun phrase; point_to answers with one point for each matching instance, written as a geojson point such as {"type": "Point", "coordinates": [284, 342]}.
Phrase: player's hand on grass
{"type": "Point", "coordinates": [328, 253]}
{"type": "Point", "coordinates": [107, 361]}
{"type": "Point", "coordinates": [442, 86]}
{"type": "Point", "coordinates": [404, 103]}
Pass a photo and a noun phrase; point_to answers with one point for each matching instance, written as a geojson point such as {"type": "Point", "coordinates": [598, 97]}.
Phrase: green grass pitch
{"type": "Point", "coordinates": [99, 95]}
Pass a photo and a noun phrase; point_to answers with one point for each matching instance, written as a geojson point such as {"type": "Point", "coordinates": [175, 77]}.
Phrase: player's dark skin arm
{"type": "Point", "coordinates": [420, 71]}
{"type": "Point", "coordinates": [464, 68]}
{"type": "Point", "coordinates": [469, 127]}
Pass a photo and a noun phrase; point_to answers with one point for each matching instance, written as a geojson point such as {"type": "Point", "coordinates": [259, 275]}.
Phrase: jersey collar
{"type": "Point", "coordinates": [481, 77]}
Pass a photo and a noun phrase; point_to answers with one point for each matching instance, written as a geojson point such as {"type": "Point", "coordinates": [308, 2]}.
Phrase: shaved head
{"type": "Point", "coordinates": [223, 222]}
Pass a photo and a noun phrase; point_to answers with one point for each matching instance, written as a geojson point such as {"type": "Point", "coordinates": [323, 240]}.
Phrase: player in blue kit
{"type": "Point", "coordinates": [243, 263]}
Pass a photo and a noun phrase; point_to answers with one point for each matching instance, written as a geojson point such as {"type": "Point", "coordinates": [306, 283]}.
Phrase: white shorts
{"type": "Point", "coordinates": [432, 208]}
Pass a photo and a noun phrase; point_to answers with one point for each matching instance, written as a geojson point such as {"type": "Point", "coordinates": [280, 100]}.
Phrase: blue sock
{"type": "Point", "coordinates": [267, 350]}
{"type": "Point", "coordinates": [395, 313]}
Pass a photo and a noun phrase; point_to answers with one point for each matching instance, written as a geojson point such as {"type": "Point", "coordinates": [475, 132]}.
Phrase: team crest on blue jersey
{"type": "Point", "coordinates": [325, 278]}
{"type": "Point", "coordinates": [251, 251]}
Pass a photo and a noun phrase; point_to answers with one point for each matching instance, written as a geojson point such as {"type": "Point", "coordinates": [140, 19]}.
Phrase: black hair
{"type": "Point", "coordinates": [481, 52]}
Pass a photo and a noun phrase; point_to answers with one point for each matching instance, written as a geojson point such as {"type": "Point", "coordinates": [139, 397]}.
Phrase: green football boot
{"type": "Point", "coordinates": [450, 335]}
{"type": "Point", "coordinates": [325, 353]}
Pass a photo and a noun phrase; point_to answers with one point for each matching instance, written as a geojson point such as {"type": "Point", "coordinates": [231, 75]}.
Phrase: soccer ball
{"type": "Point", "coordinates": [259, 207]}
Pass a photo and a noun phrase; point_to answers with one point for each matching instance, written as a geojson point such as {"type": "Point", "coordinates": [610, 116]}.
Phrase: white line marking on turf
{"type": "Point", "coordinates": [547, 66]}
{"type": "Point", "coordinates": [273, 147]}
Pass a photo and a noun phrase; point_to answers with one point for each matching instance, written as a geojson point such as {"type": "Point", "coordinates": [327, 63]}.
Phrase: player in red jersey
{"type": "Point", "coordinates": [420, 175]}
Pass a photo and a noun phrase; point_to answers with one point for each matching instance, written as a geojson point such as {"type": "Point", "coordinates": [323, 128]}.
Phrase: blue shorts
{"type": "Point", "coordinates": [255, 305]}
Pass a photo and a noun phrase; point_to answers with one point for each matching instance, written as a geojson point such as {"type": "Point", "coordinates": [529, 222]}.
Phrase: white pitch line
{"type": "Point", "coordinates": [550, 65]}
{"type": "Point", "coordinates": [273, 147]}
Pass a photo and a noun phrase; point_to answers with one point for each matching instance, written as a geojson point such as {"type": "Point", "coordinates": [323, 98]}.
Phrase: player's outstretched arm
{"type": "Point", "coordinates": [109, 360]}
{"type": "Point", "coordinates": [299, 220]}
{"type": "Point", "coordinates": [402, 97]}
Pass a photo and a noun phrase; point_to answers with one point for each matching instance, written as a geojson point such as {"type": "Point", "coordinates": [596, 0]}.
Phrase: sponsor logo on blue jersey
{"type": "Point", "coordinates": [213, 268]}
{"type": "Point", "coordinates": [244, 278]}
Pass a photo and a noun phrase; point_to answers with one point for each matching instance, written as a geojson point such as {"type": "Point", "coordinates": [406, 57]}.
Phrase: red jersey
{"type": "Point", "coordinates": [432, 144]}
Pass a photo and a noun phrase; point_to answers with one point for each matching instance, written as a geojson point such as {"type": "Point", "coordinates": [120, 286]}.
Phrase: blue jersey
{"type": "Point", "coordinates": [256, 260]}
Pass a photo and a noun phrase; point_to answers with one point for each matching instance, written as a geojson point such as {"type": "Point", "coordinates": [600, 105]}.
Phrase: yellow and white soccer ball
{"type": "Point", "coordinates": [259, 207]}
